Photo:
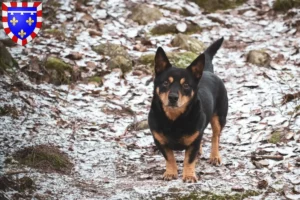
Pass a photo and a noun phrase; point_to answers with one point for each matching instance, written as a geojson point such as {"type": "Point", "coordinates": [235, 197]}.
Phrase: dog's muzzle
{"type": "Point", "coordinates": [173, 98]}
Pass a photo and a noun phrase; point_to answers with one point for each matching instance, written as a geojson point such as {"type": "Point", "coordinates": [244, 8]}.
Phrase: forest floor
{"type": "Point", "coordinates": [95, 124]}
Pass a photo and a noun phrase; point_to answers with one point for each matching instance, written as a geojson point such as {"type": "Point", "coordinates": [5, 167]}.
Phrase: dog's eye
{"type": "Point", "coordinates": [165, 83]}
{"type": "Point", "coordinates": [185, 86]}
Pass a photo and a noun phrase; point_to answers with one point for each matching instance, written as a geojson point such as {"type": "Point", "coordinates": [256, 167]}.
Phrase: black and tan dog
{"type": "Point", "coordinates": [184, 102]}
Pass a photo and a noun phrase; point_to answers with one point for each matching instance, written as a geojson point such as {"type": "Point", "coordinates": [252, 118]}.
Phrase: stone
{"type": "Point", "coordinates": [122, 62]}
{"type": "Point", "coordinates": [188, 43]}
{"type": "Point", "coordinates": [259, 58]}
{"type": "Point", "coordinates": [144, 14]}
{"type": "Point", "coordinates": [213, 5]}
{"type": "Point", "coordinates": [7, 62]}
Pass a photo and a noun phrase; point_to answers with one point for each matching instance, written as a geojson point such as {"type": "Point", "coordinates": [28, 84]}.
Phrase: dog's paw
{"type": "Point", "coordinates": [170, 176]}
{"type": "Point", "coordinates": [215, 160]}
{"type": "Point", "coordinates": [189, 178]}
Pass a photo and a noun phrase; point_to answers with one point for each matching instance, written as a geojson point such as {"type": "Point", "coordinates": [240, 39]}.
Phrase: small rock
{"type": "Point", "coordinates": [264, 162]}
{"type": "Point", "coordinates": [262, 184]}
{"type": "Point", "coordinates": [140, 47]}
{"type": "Point", "coordinates": [110, 49]}
{"type": "Point", "coordinates": [142, 125]}
{"type": "Point", "coordinates": [289, 135]}
{"type": "Point", "coordinates": [259, 58]}
{"type": "Point", "coordinates": [124, 63]}
{"type": "Point", "coordinates": [161, 29]}
{"type": "Point", "coordinates": [143, 14]}
{"type": "Point", "coordinates": [213, 5]}
{"type": "Point", "coordinates": [238, 189]}
{"type": "Point", "coordinates": [181, 27]}
{"type": "Point", "coordinates": [188, 43]}
{"type": "Point", "coordinates": [74, 56]}
{"type": "Point", "coordinates": [145, 177]}
{"type": "Point", "coordinates": [140, 135]}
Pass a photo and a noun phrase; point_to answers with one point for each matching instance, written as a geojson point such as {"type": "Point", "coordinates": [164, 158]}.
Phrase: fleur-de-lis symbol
{"type": "Point", "coordinates": [29, 21]}
{"type": "Point", "coordinates": [22, 33]}
{"type": "Point", "coordinates": [14, 21]}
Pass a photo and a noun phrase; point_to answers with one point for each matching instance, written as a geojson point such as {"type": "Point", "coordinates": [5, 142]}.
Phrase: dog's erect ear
{"type": "Point", "coordinates": [161, 61]}
{"type": "Point", "coordinates": [197, 66]}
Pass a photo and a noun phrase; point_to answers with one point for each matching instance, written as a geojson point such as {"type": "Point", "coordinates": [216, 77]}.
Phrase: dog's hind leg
{"type": "Point", "coordinates": [215, 157]}
{"type": "Point", "coordinates": [200, 149]}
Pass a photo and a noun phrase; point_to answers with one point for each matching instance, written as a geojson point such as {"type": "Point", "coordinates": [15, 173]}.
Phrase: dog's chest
{"type": "Point", "coordinates": [177, 139]}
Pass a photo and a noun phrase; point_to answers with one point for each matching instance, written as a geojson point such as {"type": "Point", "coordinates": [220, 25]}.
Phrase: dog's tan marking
{"type": "Point", "coordinates": [173, 113]}
{"type": "Point", "coordinates": [189, 174]}
{"type": "Point", "coordinates": [160, 138]}
{"type": "Point", "coordinates": [171, 79]}
{"type": "Point", "coordinates": [188, 140]}
{"type": "Point", "coordinates": [182, 81]}
{"type": "Point", "coordinates": [200, 149]}
{"type": "Point", "coordinates": [215, 157]}
{"type": "Point", "coordinates": [183, 99]}
{"type": "Point", "coordinates": [171, 166]}
{"type": "Point", "coordinates": [163, 96]}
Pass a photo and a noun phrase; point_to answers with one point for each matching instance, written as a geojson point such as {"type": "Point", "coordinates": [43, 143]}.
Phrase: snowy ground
{"type": "Point", "coordinates": [88, 123]}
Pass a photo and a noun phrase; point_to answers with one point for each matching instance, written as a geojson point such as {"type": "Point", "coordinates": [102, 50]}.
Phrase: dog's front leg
{"type": "Point", "coordinates": [189, 174]}
{"type": "Point", "coordinates": [171, 166]}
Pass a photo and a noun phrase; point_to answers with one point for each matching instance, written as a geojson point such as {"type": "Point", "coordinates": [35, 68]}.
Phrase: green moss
{"type": "Point", "coordinates": [297, 108]}
{"type": "Point", "coordinates": [161, 29]}
{"type": "Point", "coordinates": [96, 79]}
{"type": "Point", "coordinates": [284, 5]}
{"type": "Point", "coordinates": [60, 72]}
{"type": "Point", "coordinates": [275, 137]}
{"type": "Point", "coordinates": [178, 59]}
{"type": "Point", "coordinates": [57, 64]}
{"type": "Point", "coordinates": [7, 62]}
{"type": "Point", "coordinates": [45, 158]}
{"type": "Point", "coordinates": [213, 5]}
{"type": "Point", "coordinates": [211, 196]}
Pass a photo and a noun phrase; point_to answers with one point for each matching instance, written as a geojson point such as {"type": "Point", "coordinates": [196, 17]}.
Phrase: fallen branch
{"type": "Point", "coordinates": [16, 172]}
{"type": "Point", "coordinates": [289, 97]}
{"type": "Point", "coordinates": [261, 157]}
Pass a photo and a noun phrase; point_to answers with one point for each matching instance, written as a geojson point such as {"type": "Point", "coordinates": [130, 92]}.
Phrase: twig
{"type": "Point", "coordinates": [260, 157]}
{"type": "Point", "coordinates": [17, 172]}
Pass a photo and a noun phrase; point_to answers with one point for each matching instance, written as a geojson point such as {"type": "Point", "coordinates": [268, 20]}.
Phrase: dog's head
{"type": "Point", "coordinates": [174, 86]}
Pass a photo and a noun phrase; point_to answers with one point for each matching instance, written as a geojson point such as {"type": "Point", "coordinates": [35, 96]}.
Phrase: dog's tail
{"type": "Point", "coordinates": [210, 52]}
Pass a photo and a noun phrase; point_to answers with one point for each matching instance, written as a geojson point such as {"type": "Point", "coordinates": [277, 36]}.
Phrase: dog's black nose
{"type": "Point", "coordinates": [173, 97]}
